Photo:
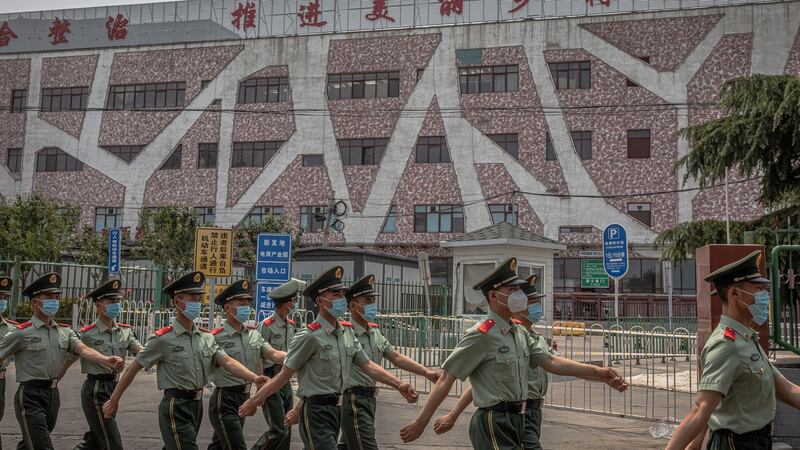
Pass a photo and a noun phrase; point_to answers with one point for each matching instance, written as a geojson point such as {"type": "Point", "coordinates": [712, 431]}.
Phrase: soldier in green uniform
{"type": "Point", "coordinates": [738, 386]}
{"type": "Point", "coordinates": [360, 395]}
{"type": "Point", "coordinates": [246, 345]}
{"type": "Point", "coordinates": [111, 338]}
{"type": "Point", "coordinates": [495, 355]}
{"type": "Point", "coordinates": [5, 326]}
{"type": "Point", "coordinates": [40, 348]}
{"type": "Point", "coordinates": [322, 355]}
{"type": "Point", "coordinates": [185, 355]}
{"type": "Point", "coordinates": [278, 331]}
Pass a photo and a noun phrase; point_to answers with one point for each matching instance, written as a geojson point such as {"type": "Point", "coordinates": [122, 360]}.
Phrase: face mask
{"type": "Point", "coordinates": [760, 309]}
{"type": "Point", "coordinates": [191, 310]}
{"type": "Point", "coordinates": [534, 312]}
{"type": "Point", "coordinates": [50, 307]}
{"type": "Point", "coordinates": [113, 310]}
{"type": "Point", "coordinates": [338, 307]}
{"type": "Point", "coordinates": [370, 312]}
{"type": "Point", "coordinates": [517, 301]}
{"type": "Point", "coordinates": [3, 306]}
{"type": "Point", "coordinates": [242, 313]}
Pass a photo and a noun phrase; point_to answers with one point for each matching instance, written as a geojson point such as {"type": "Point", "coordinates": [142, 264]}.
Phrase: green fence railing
{"type": "Point", "coordinates": [649, 323]}
{"type": "Point", "coordinates": [784, 273]}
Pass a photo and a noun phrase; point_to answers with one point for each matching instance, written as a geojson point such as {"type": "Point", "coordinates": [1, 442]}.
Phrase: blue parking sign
{"type": "Point", "coordinates": [114, 250]}
{"type": "Point", "coordinates": [615, 250]}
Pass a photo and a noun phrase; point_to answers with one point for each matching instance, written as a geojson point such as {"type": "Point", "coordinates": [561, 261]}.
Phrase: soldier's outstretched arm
{"type": "Point", "coordinates": [563, 366]}
{"type": "Point", "coordinates": [786, 391]}
{"type": "Point", "coordinates": [378, 373]}
{"type": "Point", "coordinates": [705, 402]}
{"type": "Point", "coordinates": [235, 368]}
{"type": "Point", "coordinates": [67, 364]}
{"type": "Point", "coordinates": [439, 392]}
{"type": "Point", "coordinates": [92, 355]}
{"type": "Point", "coordinates": [293, 415]}
{"type": "Point", "coordinates": [273, 355]}
{"type": "Point", "coordinates": [446, 422]}
{"type": "Point", "coordinates": [250, 406]}
{"type": "Point", "coordinates": [111, 406]}
{"type": "Point", "coordinates": [409, 365]}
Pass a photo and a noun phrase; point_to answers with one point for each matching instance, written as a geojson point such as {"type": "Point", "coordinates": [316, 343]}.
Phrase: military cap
{"type": "Point", "coordinates": [504, 275]}
{"type": "Point", "coordinates": [5, 284]}
{"type": "Point", "coordinates": [330, 280]}
{"type": "Point", "coordinates": [239, 289]}
{"type": "Point", "coordinates": [362, 287]}
{"type": "Point", "coordinates": [109, 289]}
{"type": "Point", "coordinates": [49, 283]}
{"type": "Point", "coordinates": [745, 269]}
{"type": "Point", "coordinates": [191, 283]}
{"type": "Point", "coordinates": [287, 291]}
{"type": "Point", "coordinates": [529, 288]}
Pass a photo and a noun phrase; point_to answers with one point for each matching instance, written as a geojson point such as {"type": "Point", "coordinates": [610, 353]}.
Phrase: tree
{"type": "Point", "coordinates": [245, 236]}
{"type": "Point", "coordinates": [166, 237]}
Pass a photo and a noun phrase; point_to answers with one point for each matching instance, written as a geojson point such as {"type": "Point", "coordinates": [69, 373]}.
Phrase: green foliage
{"type": "Point", "coordinates": [35, 228]}
{"type": "Point", "coordinates": [245, 236]}
{"type": "Point", "coordinates": [92, 247]}
{"type": "Point", "coordinates": [166, 237]}
{"type": "Point", "coordinates": [24, 310]}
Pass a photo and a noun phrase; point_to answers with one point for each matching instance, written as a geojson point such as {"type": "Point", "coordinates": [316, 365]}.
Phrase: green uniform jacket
{"type": "Point", "coordinates": [375, 345]}
{"type": "Point", "coordinates": [5, 327]}
{"type": "Point", "coordinates": [537, 377]}
{"type": "Point", "coordinates": [246, 346]}
{"type": "Point", "coordinates": [277, 332]}
{"type": "Point", "coordinates": [119, 340]}
{"type": "Point", "coordinates": [735, 366]}
{"type": "Point", "coordinates": [39, 349]}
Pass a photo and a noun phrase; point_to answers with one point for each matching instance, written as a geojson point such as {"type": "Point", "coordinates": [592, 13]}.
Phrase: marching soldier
{"type": "Point", "coordinates": [278, 331]}
{"type": "Point", "coordinates": [738, 385]}
{"type": "Point", "coordinates": [495, 355]}
{"type": "Point", "coordinates": [322, 355]}
{"type": "Point", "coordinates": [5, 326]}
{"type": "Point", "coordinates": [246, 345]}
{"type": "Point", "coordinates": [40, 348]}
{"type": "Point", "coordinates": [185, 356]}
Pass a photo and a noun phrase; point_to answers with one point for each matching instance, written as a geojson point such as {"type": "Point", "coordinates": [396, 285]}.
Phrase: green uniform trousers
{"type": "Point", "coordinates": [223, 413]}
{"type": "Point", "coordinates": [358, 422]}
{"type": "Point", "coordinates": [319, 426]}
{"type": "Point", "coordinates": [37, 411]}
{"type": "Point", "coordinates": [2, 403]}
{"type": "Point", "coordinates": [754, 440]}
{"type": "Point", "coordinates": [494, 430]}
{"type": "Point", "coordinates": [179, 420]}
{"type": "Point", "coordinates": [533, 429]}
{"type": "Point", "coordinates": [278, 436]}
{"type": "Point", "coordinates": [103, 433]}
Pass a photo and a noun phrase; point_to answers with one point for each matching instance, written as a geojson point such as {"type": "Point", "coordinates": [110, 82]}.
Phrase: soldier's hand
{"type": "Point", "coordinates": [248, 408]}
{"type": "Point", "coordinates": [261, 380]}
{"type": "Point", "coordinates": [110, 409]}
{"type": "Point", "coordinates": [115, 362]}
{"type": "Point", "coordinates": [610, 377]}
{"type": "Point", "coordinates": [408, 392]}
{"type": "Point", "coordinates": [412, 431]}
{"type": "Point", "coordinates": [433, 376]}
{"type": "Point", "coordinates": [444, 424]}
{"type": "Point", "coordinates": [292, 418]}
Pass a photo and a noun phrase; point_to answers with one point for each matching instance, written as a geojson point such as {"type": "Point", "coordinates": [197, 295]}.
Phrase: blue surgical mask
{"type": "Point", "coordinates": [338, 307]}
{"type": "Point", "coordinates": [760, 308]}
{"type": "Point", "coordinates": [370, 312]}
{"type": "Point", "coordinates": [242, 313]}
{"type": "Point", "coordinates": [50, 307]}
{"type": "Point", "coordinates": [191, 310]}
{"type": "Point", "coordinates": [535, 312]}
{"type": "Point", "coordinates": [3, 306]}
{"type": "Point", "coordinates": [113, 310]}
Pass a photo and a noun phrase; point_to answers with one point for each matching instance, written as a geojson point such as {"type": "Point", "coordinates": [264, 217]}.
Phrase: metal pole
{"type": "Point", "coordinates": [727, 210]}
{"type": "Point", "coordinates": [668, 267]}
{"type": "Point", "coordinates": [211, 292]}
{"type": "Point", "coordinates": [616, 299]}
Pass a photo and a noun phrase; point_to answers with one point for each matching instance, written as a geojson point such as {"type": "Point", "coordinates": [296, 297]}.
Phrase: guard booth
{"type": "Point", "coordinates": [477, 253]}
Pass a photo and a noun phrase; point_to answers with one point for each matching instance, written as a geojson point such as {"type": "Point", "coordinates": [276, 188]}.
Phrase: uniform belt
{"type": "Point", "coordinates": [43, 384]}
{"type": "Point", "coordinates": [239, 388]}
{"type": "Point", "coordinates": [2, 374]}
{"type": "Point", "coordinates": [272, 371]}
{"type": "Point", "coordinates": [325, 399]}
{"type": "Point", "coordinates": [102, 377]}
{"type": "Point", "coordinates": [532, 403]}
{"type": "Point", "coordinates": [765, 431]}
{"type": "Point", "coordinates": [194, 394]}
{"type": "Point", "coordinates": [362, 391]}
{"type": "Point", "coordinates": [510, 407]}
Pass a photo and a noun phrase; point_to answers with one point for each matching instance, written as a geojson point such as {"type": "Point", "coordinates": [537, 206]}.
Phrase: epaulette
{"type": "Point", "coordinates": [269, 321]}
{"type": "Point", "coordinates": [517, 321]}
{"type": "Point", "coordinates": [163, 331]}
{"type": "Point", "coordinates": [91, 326]}
{"type": "Point", "coordinates": [290, 321]}
{"type": "Point", "coordinates": [203, 330]}
{"type": "Point", "coordinates": [730, 333]}
{"type": "Point", "coordinates": [65, 325]}
{"type": "Point", "coordinates": [24, 325]}
{"type": "Point", "coordinates": [373, 325]}
{"type": "Point", "coordinates": [123, 325]}
{"type": "Point", "coordinates": [345, 323]}
{"type": "Point", "coordinates": [314, 326]}
{"type": "Point", "coordinates": [486, 325]}
{"type": "Point", "coordinates": [217, 330]}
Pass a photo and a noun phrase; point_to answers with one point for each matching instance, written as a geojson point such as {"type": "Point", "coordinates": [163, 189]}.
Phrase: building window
{"type": "Point", "coordinates": [390, 224]}
{"type": "Point", "coordinates": [107, 218]}
{"type": "Point", "coordinates": [64, 99]}
{"type": "Point", "coordinates": [19, 100]}
{"type": "Point", "coordinates": [432, 149]}
{"type": "Point", "coordinates": [645, 59]}
{"type": "Point", "coordinates": [362, 152]}
{"type": "Point", "coordinates": [140, 96]}
{"type": "Point", "coordinates": [420, 72]}
{"type": "Point", "coordinates": [261, 214]}
{"type": "Point", "coordinates": [14, 160]}
{"type": "Point", "coordinates": [312, 218]}
{"type": "Point", "coordinates": [503, 213]}
{"type": "Point", "coordinates": [640, 212]}
{"type": "Point", "coordinates": [549, 149]}
{"type": "Point", "coordinates": [205, 215]}
{"type": "Point", "coordinates": [363, 85]}
{"type": "Point", "coordinates": [313, 161]}
{"type": "Point", "coordinates": [438, 219]}
{"type": "Point", "coordinates": [204, 84]}
{"type": "Point", "coordinates": [638, 143]}
{"type": "Point", "coordinates": [507, 142]}
{"type": "Point", "coordinates": [583, 144]}
{"type": "Point", "coordinates": [572, 75]}
{"type": "Point", "coordinates": [254, 154]}
{"type": "Point", "coordinates": [207, 156]}
{"type": "Point", "coordinates": [482, 80]}
{"type": "Point", "coordinates": [174, 160]}
{"type": "Point", "coordinates": [125, 152]}
{"type": "Point", "coordinates": [575, 229]}
{"type": "Point", "coordinates": [264, 90]}
{"type": "Point", "coordinates": [53, 159]}
{"type": "Point", "coordinates": [630, 83]}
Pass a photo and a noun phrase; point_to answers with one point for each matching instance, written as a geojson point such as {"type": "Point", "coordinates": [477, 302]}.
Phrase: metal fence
{"type": "Point", "coordinates": [600, 307]}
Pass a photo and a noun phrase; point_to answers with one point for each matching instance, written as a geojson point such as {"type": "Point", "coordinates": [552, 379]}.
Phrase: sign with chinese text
{"type": "Point", "coordinates": [593, 275]}
{"type": "Point", "coordinates": [274, 258]}
{"type": "Point", "coordinates": [615, 251]}
{"type": "Point", "coordinates": [114, 250]}
{"type": "Point", "coordinates": [207, 291]}
{"type": "Point", "coordinates": [264, 304]}
{"type": "Point", "coordinates": [213, 251]}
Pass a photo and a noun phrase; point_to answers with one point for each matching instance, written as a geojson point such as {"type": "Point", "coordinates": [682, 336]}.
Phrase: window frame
{"type": "Point", "coordinates": [357, 150]}
{"type": "Point", "coordinates": [260, 90]}
{"type": "Point", "coordinates": [126, 153]}
{"type": "Point", "coordinates": [106, 215]}
{"type": "Point", "coordinates": [160, 95]}
{"type": "Point", "coordinates": [391, 215]}
{"type": "Point", "coordinates": [19, 101]}
{"type": "Point", "coordinates": [49, 159]}
{"type": "Point", "coordinates": [203, 212]}
{"type": "Point", "coordinates": [169, 163]}
{"type": "Point", "coordinates": [256, 151]}
{"type": "Point", "coordinates": [309, 212]}
{"type": "Point", "coordinates": [443, 213]}
{"type": "Point", "coordinates": [365, 85]}
{"type": "Point", "coordinates": [262, 212]}
{"type": "Point", "coordinates": [71, 95]}
{"type": "Point", "coordinates": [311, 160]}
{"type": "Point", "coordinates": [639, 147]}
{"type": "Point", "coordinates": [508, 210]}
{"type": "Point", "coordinates": [505, 140]}
{"type": "Point", "coordinates": [645, 216]}
{"type": "Point", "coordinates": [204, 149]}
{"type": "Point", "coordinates": [576, 74]}
{"type": "Point", "coordinates": [428, 144]}
{"type": "Point", "coordinates": [16, 167]}
{"type": "Point", "coordinates": [488, 79]}
{"type": "Point", "coordinates": [582, 137]}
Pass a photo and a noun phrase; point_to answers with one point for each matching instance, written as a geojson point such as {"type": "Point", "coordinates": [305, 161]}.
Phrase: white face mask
{"type": "Point", "coordinates": [517, 301]}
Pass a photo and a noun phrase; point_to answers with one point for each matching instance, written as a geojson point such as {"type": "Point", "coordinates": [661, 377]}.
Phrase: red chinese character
{"type": "Point", "coordinates": [117, 28]}
{"type": "Point", "coordinates": [520, 4]}
{"type": "Point", "coordinates": [379, 11]}
{"type": "Point", "coordinates": [6, 34]}
{"type": "Point", "coordinates": [57, 31]}
{"type": "Point", "coordinates": [310, 15]}
{"type": "Point", "coordinates": [604, 2]}
{"type": "Point", "coordinates": [448, 6]}
{"type": "Point", "coordinates": [248, 11]}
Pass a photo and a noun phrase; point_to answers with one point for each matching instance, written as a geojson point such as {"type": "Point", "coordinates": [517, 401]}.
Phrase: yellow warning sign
{"type": "Point", "coordinates": [213, 251]}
